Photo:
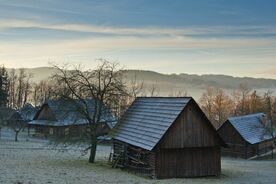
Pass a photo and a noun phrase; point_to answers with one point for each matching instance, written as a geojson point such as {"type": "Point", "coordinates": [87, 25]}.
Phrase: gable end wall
{"type": "Point", "coordinates": [190, 129]}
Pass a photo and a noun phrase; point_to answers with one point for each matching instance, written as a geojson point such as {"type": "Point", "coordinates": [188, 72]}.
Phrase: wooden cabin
{"type": "Point", "coordinates": [167, 137]}
{"type": "Point", "coordinates": [61, 118]}
{"type": "Point", "coordinates": [24, 114]}
{"type": "Point", "coordinates": [245, 136]}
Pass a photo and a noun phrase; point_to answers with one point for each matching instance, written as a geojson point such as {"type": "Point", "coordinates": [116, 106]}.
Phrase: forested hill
{"type": "Point", "coordinates": [172, 83]}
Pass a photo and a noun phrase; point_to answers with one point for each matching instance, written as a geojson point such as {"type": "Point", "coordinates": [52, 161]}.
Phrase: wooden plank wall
{"type": "Point", "coordinates": [190, 162]}
{"type": "Point", "coordinates": [46, 114]}
{"type": "Point", "coordinates": [230, 135]}
{"type": "Point", "coordinates": [191, 129]}
{"type": "Point", "coordinates": [190, 148]}
{"type": "Point", "coordinates": [238, 147]}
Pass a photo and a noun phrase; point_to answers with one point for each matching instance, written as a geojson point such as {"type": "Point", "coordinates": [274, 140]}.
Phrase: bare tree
{"type": "Point", "coordinates": [12, 88]}
{"type": "Point", "coordinates": [179, 93]}
{"type": "Point", "coordinates": [153, 90]}
{"type": "Point", "coordinates": [136, 88]}
{"type": "Point", "coordinates": [267, 105]}
{"type": "Point", "coordinates": [43, 91]}
{"type": "Point", "coordinates": [16, 124]}
{"type": "Point", "coordinates": [217, 105]}
{"type": "Point", "coordinates": [223, 106]}
{"type": "Point", "coordinates": [35, 96]}
{"type": "Point", "coordinates": [27, 89]}
{"type": "Point", "coordinates": [269, 130]}
{"type": "Point", "coordinates": [19, 88]}
{"type": "Point", "coordinates": [241, 97]}
{"type": "Point", "coordinates": [207, 102]}
{"type": "Point", "coordinates": [255, 102]}
{"type": "Point", "coordinates": [274, 111]}
{"type": "Point", "coordinates": [104, 85]}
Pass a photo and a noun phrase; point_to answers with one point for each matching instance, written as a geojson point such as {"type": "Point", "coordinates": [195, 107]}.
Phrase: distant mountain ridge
{"type": "Point", "coordinates": [170, 83]}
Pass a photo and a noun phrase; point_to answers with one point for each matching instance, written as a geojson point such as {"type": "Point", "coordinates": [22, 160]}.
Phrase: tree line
{"type": "Point", "coordinates": [106, 86]}
{"type": "Point", "coordinates": [219, 105]}
{"type": "Point", "coordinates": [17, 89]}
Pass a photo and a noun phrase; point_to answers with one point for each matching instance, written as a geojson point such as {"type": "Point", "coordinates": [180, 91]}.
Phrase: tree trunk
{"type": "Point", "coordinates": [16, 136]}
{"type": "Point", "coordinates": [272, 152]}
{"type": "Point", "coordinates": [28, 131]}
{"type": "Point", "coordinates": [93, 149]}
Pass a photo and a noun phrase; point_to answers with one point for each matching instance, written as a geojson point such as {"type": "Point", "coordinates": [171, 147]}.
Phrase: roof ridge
{"type": "Point", "coordinates": [141, 111]}
{"type": "Point", "coordinates": [250, 127]}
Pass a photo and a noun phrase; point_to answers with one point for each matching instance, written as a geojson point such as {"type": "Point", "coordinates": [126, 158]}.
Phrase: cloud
{"type": "Point", "coordinates": [65, 47]}
{"type": "Point", "coordinates": [212, 31]}
{"type": "Point", "coordinates": [152, 52]}
{"type": "Point", "coordinates": [157, 48]}
{"type": "Point", "coordinates": [126, 39]}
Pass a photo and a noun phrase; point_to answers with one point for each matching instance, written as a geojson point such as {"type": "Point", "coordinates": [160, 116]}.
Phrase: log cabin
{"type": "Point", "coordinates": [24, 114]}
{"type": "Point", "coordinates": [167, 137]}
{"type": "Point", "coordinates": [246, 136]}
{"type": "Point", "coordinates": [61, 118]}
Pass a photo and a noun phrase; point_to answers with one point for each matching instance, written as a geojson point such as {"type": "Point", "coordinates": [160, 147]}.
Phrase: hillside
{"type": "Point", "coordinates": [172, 83]}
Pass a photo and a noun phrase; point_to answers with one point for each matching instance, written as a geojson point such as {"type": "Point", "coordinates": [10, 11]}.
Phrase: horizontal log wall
{"type": "Point", "coordinates": [135, 159]}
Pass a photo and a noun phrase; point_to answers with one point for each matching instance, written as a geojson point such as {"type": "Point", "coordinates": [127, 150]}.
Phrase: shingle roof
{"type": "Point", "coordinates": [57, 123]}
{"type": "Point", "coordinates": [147, 120]}
{"type": "Point", "coordinates": [68, 113]}
{"type": "Point", "coordinates": [28, 112]}
{"type": "Point", "coordinates": [24, 114]}
{"type": "Point", "coordinates": [250, 127]}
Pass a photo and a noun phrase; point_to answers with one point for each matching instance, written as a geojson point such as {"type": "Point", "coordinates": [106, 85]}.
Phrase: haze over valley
{"type": "Point", "coordinates": [173, 84]}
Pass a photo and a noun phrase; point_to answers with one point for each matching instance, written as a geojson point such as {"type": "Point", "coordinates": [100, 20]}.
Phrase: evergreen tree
{"type": "Point", "coordinates": [4, 87]}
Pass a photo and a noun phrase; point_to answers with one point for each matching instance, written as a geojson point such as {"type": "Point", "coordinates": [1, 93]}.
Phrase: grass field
{"type": "Point", "coordinates": [35, 163]}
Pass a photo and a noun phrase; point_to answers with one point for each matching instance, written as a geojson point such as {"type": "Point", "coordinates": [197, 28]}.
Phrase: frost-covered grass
{"type": "Point", "coordinates": [34, 163]}
{"type": "Point", "coordinates": [267, 156]}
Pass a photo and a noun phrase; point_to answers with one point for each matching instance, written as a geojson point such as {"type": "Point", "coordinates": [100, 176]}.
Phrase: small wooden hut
{"type": "Point", "coordinates": [61, 118]}
{"type": "Point", "coordinates": [24, 114]}
{"type": "Point", "coordinates": [21, 117]}
{"type": "Point", "coordinates": [167, 137]}
{"type": "Point", "coordinates": [246, 136]}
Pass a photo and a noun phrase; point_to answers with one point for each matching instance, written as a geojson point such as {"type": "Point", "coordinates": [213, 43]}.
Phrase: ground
{"type": "Point", "coordinates": [34, 162]}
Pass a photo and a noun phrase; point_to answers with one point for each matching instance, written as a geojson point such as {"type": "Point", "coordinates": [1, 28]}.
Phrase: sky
{"type": "Point", "coordinates": [231, 37]}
